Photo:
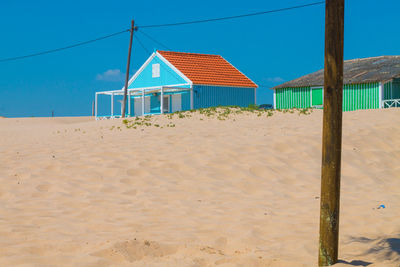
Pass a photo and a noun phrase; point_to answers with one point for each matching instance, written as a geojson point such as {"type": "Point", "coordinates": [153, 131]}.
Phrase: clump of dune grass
{"type": "Point", "coordinates": [220, 112]}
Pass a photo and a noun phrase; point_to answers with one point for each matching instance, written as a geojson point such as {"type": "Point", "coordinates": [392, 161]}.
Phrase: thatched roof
{"type": "Point", "coordinates": [363, 70]}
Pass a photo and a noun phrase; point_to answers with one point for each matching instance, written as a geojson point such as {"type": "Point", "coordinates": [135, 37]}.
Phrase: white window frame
{"type": "Point", "coordinates": [323, 91]}
{"type": "Point", "coordinates": [155, 70]}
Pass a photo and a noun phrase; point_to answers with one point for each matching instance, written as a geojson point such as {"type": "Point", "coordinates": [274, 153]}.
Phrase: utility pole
{"type": "Point", "coordinates": [332, 133]}
{"type": "Point", "coordinates": [133, 28]}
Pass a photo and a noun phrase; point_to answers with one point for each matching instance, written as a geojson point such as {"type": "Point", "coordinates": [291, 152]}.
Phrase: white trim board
{"type": "Point", "coordinates": [147, 62]}
{"type": "Point", "coordinates": [172, 86]}
{"type": "Point", "coordinates": [115, 92]}
{"type": "Point", "coordinates": [174, 68]}
{"type": "Point", "coordinates": [159, 86]}
{"type": "Point", "coordinates": [323, 93]}
{"type": "Point", "coordinates": [189, 82]}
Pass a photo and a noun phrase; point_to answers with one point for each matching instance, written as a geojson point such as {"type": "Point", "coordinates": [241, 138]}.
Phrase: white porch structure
{"type": "Point", "coordinates": [142, 93]}
{"type": "Point", "coordinates": [391, 103]}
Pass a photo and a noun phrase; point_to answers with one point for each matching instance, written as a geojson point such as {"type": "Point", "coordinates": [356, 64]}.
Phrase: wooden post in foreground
{"type": "Point", "coordinates": [127, 70]}
{"type": "Point", "coordinates": [332, 133]}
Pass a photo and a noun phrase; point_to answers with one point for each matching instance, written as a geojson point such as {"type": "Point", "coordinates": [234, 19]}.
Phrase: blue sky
{"type": "Point", "coordinates": [270, 49]}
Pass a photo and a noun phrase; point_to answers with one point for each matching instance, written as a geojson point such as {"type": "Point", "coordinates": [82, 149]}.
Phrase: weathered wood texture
{"type": "Point", "coordinates": [355, 71]}
{"type": "Point", "coordinates": [332, 133]}
{"type": "Point", "coordinates": [127, 70]}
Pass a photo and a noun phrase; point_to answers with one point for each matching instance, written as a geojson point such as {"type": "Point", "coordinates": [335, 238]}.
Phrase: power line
{"type": "Point", "coordinates": [232, 17]}
{"type": "Point", "coordinates": [158, 25]}
{"type": "Point", "coordinates": [63, 48]}
{"type": "Point", "coordinates": [142, 45]}
{"type": "Point", "coordinates": [154, 40]}
{"type": "Point", "coordinates": [162, 65]}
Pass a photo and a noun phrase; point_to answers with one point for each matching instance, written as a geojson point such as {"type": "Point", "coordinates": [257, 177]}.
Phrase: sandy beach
{"type": "Point", "coordinates": [197, 191]}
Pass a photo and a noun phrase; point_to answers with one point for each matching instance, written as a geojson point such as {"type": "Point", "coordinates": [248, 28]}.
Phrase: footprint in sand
{"type": "Point", "coordinates": [128, 181]}
{"type": "Point", "coordinates": [134, 250]}
{"type": "Point", "coordinates": [283, 147]}
{"type": "Point", "coordinates": [130, 192]}
{"type": "Point", "coordinates": [260, 170]}
{"type": "Point", "coordinates": [43, 187]}
{"type": "Point", "coordinates": [221, 243]}
{"type": "Point", "coordinates": [211, 250]}
{"type": "Point", "coordinates": [136, 172]}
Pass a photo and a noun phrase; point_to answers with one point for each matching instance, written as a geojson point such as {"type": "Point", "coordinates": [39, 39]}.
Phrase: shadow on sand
{"type": "Point", "coordinates": [383, 248]}
{"type": "Point", "coordinates": [355, 263]}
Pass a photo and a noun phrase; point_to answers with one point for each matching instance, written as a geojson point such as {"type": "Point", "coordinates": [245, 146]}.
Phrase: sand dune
{"type": "Point", "coordinates": [203, 192]}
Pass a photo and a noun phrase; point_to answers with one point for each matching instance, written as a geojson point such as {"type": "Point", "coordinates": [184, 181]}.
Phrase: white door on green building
{"type": "Point", "coordinates": [317, 97]}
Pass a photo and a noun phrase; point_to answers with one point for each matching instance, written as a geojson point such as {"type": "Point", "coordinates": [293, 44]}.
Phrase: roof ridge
{"type": "Point", "coordinates": [207, 69]}
{"type": "Point", "coordinates": [188, 53]}
{"type": "Point", "coordinates": [367, 58]}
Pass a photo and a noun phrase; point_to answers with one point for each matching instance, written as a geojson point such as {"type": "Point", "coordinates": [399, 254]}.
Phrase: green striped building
{"type": "Point", "coordinates": [369, 83]}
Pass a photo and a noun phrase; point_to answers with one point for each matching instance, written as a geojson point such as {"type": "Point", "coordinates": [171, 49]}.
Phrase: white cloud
{"type": "Point", "coordinates": [275, 79]}
{"type": "Point", "coordinates": [114, 75]}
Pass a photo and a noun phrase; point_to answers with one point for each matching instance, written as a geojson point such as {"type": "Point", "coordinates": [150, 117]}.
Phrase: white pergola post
{"type": "Point", "coordinates": [95, 106]}
{"type": "Point", "coordinates": [129, 103]}
{"type": "Point", "coordinates": [162, 101]}
{"type": "Point", "coordinates": [191, 97]}
{"type": "Point", "coordinates": [380, 95]}
{"type": "Point", "coordinates": [112, 105]}
{"type": "Point", "coordinates": [142, 102]}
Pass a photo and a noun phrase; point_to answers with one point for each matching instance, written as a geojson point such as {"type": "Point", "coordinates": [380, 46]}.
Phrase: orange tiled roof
{"type": "Point", "coordinates": [207, 69]}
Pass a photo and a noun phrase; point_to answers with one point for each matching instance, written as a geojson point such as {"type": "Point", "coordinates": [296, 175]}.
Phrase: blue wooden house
{"type": "Point", "coordinates": [176, 81]}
